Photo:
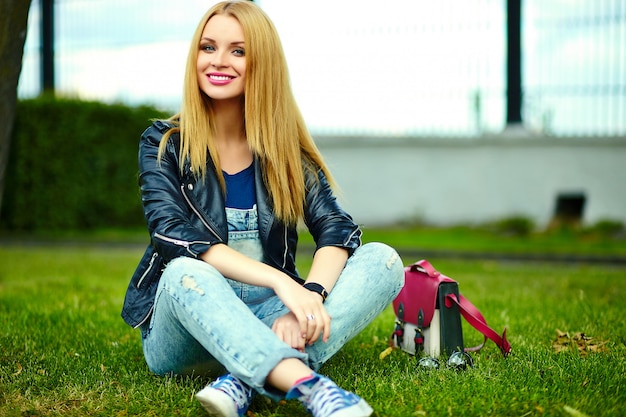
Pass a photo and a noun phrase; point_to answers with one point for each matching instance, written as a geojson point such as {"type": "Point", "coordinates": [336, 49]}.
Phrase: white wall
{"type": "Point", "coordinates": [474, 180]}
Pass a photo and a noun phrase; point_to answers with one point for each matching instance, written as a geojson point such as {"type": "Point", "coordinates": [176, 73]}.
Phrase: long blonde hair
{"type": "Point", "coordinates": [274, 126]}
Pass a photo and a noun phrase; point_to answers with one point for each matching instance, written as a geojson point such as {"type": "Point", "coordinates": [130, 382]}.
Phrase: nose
{"type": "Point", "coordinates": [219, 59]}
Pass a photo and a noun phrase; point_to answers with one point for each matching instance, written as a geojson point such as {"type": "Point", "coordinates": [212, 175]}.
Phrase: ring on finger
{"type": "Point", "coordinates": [310, 317]}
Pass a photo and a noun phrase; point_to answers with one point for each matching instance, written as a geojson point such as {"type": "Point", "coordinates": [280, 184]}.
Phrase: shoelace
{"type": "Point", "coordinates": [236, 390]}
{"type": "Point", "coordinates": [329, 398]}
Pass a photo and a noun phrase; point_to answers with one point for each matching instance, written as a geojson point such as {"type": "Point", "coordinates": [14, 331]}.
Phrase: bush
{"type": "Point", "coordinates": [73, 165]}
{"type": "Point", "coordinates": [607, 228]}
{"type": "Point", "coordinates": [514, 226]}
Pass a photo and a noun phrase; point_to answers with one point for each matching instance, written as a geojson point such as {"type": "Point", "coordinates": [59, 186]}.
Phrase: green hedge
{"type": "Point", "coordinates": [73, 166]}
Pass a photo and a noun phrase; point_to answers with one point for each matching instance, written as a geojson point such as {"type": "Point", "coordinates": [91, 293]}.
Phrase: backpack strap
{"type": "Point", "coordinates": [476, 319]}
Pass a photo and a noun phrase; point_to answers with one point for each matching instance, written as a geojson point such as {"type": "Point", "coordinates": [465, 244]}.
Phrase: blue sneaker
{"type": "Point", "coordinates": [323, 398]}
{"type": "Point", "coordinates": [227, 396]}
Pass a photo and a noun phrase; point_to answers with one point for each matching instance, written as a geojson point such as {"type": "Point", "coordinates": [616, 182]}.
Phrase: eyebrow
{"type": "Point", "coordinates": [213, 40]}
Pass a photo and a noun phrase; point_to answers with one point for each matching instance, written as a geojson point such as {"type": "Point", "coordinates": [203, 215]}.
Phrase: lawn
{"type": "Point", "coordinates": [64, 350]}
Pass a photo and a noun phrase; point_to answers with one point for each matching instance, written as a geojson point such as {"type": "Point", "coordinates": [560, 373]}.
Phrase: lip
{"type": "Point", "coordinates": [218, 78]}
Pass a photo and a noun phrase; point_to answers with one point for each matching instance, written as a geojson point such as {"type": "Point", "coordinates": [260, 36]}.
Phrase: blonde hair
{"type": "Point", "coordinates": [274, 126]}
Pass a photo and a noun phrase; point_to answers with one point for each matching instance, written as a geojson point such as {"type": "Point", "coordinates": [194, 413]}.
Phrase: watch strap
{"type": "Point", "coordinates": [318, 288]}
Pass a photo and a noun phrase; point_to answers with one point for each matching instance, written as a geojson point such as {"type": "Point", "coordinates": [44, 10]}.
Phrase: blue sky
{"type": "Point", "coordinates": [359, 66]}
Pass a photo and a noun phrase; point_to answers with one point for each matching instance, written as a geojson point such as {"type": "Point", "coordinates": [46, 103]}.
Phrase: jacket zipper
{"type": "Point", "coordinates": [176, 242]}
{"type": "Point", "coordinates": [350, 237]}
{"type": "Point", "coordinates": [150, 265]}
{"type": "Point", "coordinates": [206, 224]}
{"type": "Point", "coordinates": [286, 248]}
{"type": "Point", "coordinates": [145, 318]}
{"type": "Point", "coordinates": [145, 274]}
{"type": "Point", "coordinates": [185, 244]}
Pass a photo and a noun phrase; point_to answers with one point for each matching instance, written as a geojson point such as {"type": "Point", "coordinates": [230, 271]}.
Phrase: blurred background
{"type": "Point", "coordinates": [447, 112]}
{"type": "Point", "coordinates": [403, 67]}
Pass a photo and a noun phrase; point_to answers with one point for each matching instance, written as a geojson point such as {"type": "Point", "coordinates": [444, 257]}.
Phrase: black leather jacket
{"type": "Point", "coordinates": [186, 215]}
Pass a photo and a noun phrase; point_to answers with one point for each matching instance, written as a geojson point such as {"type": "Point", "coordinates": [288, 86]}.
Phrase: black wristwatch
{"type": "Point", "coordinates": [315, 287]}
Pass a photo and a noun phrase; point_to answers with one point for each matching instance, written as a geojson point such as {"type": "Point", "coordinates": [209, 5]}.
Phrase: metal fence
{"type": "Point", "coordinates": [575, 66]}
{"type": "Point", "coordinates": [412, 67]}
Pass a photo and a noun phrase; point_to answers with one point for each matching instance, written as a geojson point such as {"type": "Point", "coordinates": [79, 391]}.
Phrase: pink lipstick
{"type": "Point", "coordinates": [216, 78]}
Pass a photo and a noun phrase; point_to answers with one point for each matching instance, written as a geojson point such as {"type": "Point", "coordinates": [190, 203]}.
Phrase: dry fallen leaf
{"type": "Point", "coordinates": [385, 353]}
{"type": "Point", "coordinates": [19, 369]}
{"type": "Point", "coordinates": [579, 342]}
{"type": "Point", "coordinates": [573, 412]}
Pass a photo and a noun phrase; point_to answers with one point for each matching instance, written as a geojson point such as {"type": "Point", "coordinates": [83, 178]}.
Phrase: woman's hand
{"type": "Point", "coordinates": [287, 329]}
{"type": "Point", "coordinates": [307, 319]}
{"type": "Point", "coordinates": [306, 306]}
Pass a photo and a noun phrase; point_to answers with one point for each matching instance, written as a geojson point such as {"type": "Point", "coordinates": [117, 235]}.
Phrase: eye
{"type": "Point", "coordinates": [207, 48]}
{"type": "Point", "coordinates": [239, 52]}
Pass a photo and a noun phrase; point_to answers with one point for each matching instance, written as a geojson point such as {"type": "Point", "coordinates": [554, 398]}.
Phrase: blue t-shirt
{"type": "Point", "coordinates": [240, 191]}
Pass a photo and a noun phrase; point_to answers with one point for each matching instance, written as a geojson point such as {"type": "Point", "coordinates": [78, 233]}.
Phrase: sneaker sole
{"type": "Point", "coordinates": [216, 403]}
{"type": "Point", "coordinates": [360, 409]}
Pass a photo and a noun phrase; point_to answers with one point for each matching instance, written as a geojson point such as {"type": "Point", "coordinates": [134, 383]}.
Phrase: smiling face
{"type": "Point", "coordinates": [221, 64]}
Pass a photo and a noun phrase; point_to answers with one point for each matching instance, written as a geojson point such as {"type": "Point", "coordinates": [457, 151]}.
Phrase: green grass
{"type": "Point", "coordinates": [64, 350]}
{"type": "Point", "coordinates": [477, 240]}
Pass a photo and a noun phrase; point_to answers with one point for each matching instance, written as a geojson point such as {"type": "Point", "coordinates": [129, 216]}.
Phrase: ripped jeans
{"type": "Point", "coordinates": [204, 323]}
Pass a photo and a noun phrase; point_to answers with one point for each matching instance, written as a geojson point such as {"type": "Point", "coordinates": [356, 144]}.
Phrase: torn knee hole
{"type": "Point", "coordinates": [191, 284]}
{"type": "Point", "coordinates": [392, 259]}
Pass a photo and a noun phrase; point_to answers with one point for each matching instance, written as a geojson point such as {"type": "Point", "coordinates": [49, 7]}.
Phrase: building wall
{"type": "Point", "coordinates": [447, 181]}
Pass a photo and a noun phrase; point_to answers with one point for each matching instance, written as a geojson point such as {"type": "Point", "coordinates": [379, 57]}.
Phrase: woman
{"type": "Point", "coordinates": [224, 185]}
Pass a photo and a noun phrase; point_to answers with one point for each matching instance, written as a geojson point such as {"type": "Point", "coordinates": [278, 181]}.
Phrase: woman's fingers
{"type": "Point", "coordinates": [287, 330]}
{"type": "Point", "coordinates": [318, 324]}
{"type": "Point", "coordinates": [308, 310]}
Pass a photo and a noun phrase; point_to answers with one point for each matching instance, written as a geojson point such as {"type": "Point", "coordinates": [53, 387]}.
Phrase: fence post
{"type": "Point", "coordinates": [47, 46]}
{"type": "Point", "coordinates": [514, 63]}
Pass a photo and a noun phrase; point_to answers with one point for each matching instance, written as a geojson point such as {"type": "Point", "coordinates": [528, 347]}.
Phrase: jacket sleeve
{"type": "Point", "coordinates": [169, 216]}
{"type": "Point", "coordinates": [327, 222]}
